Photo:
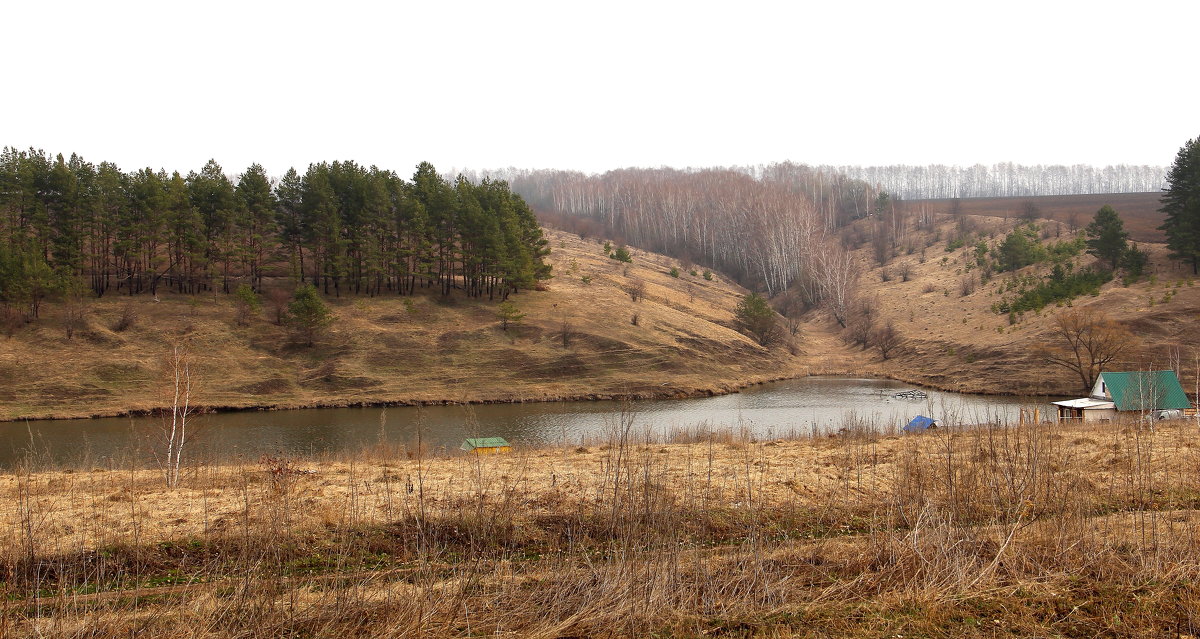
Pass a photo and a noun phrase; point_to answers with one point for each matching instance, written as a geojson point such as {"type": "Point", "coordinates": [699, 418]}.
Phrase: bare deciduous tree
{"type": "Point", "coordinates": [180, 386]}
{"type": "Point", "coordinates": [887, 339]}
{"type": "Point", "coordinates": [1085, 341]}
{"type": "Point", "coordinates": [836, 276]}
{"type": "Point", "coordinates": [860, 324]}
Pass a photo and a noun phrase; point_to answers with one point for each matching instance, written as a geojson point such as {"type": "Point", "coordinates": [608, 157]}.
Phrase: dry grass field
{"type": "Point", "coordinates": [1007, 531]}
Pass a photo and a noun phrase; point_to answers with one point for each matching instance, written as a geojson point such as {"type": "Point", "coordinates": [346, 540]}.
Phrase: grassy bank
{"type": "Point", "coordinates": [1018, 530]}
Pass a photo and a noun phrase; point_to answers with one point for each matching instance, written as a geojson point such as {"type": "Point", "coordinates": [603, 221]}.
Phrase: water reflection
{"type": "Point", "coordinates": [801, 406]}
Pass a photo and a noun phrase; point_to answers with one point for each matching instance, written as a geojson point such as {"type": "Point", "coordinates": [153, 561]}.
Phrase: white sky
{"type": "Point", "coordinates": [600, 85]}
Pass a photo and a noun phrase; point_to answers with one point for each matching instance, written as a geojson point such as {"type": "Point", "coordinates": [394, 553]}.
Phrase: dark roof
{"type": "Point", "coordinates": [1146, 390]}
{"type": "Point", "coordinates": [483, 442]}
{"type": "Point", "coordinates": [920, 422]}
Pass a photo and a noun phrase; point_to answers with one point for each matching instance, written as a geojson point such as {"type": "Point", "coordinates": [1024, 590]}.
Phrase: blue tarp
{"type": "Point", "coordinates": [919, 423]}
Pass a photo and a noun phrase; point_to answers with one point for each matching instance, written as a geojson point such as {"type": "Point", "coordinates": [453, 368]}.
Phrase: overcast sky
{"type": "Point", "coordinates": [600, 85]}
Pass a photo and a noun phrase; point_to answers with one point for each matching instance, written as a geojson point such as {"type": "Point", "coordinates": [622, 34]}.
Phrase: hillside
{"type": "Point", "coordinates": [955, 341]}
{"type": "Point", "coordinates": [393, 349]}
{"type": "Point", "coordinates": [429, 349]}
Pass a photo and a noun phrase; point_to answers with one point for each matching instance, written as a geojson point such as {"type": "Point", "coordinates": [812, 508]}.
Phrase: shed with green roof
{"type": "Point", "coordinates": [486, 445]}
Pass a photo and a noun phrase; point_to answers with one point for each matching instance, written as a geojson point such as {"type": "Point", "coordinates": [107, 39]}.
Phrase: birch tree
{"type": "Point", "coordinates": [175, 423]}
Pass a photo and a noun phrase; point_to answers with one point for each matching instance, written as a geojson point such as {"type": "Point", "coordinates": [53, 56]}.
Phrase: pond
{"type": "Point", "coordinates": [794, 407]}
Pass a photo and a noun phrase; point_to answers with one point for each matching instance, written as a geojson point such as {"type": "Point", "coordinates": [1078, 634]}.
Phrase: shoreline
{"type": "Point", "coordinates": [667, 392]}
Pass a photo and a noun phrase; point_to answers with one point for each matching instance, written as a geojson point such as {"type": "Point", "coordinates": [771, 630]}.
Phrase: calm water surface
{"type": "Point", "coordinates": [799, 406]}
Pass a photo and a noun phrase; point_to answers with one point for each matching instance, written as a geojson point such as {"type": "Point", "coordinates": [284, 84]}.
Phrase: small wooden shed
{"type": "Point", "coordinates": [1086, 409]}
{"type": "Point", "coordinates": [486, 445]}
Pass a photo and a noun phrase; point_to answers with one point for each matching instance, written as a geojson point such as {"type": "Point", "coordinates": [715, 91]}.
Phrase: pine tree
{"type": "Point", "coordinates": [323, 225]}
{"type": "Point", "coordinates": [289, 195]}
{"type": "Point", "coordinates": [213, 196]}
{"type": "Point", "coordinates": [256, 220]}
{"type": "Point", "coordinates": [1107, 238]}
{"type": "Point", "coordinates": [508, 314]}
{"type": "Point", "coordinates": [756, 317]}
{"type": "Point", "coordinates": [308, 314]}
{"type": "Point", "coordinates": [185, 236]}
{"type": "Point", "coordinates": [1181, 203]}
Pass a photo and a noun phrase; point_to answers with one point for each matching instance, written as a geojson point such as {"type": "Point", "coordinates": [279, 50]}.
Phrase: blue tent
{"type": "Point", "coordinates": [920, 423]}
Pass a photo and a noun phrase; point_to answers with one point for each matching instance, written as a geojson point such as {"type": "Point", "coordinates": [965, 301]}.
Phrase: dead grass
{"type": "Point", "coordinates": [1023, 531]}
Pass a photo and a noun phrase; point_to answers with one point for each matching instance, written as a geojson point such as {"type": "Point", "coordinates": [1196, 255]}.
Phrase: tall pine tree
{"type": "Point", "coordinates": [1181, 203]}
{"type": "Point", "coordinates": [1107, 238]}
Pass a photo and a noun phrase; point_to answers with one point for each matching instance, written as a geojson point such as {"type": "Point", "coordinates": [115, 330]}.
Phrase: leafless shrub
{"type": "Point", "coordinates": [860, 326]}
{"type": "Point", "coordinates": [885, 275]}
{"type": "Point", "coordinates": [281, 471]}
{"type": "Point", "coordinates": [887, 339]}
{"type": "Point", "coordinates": [127, 319]}
{"type": "Point", "coordinates": [74, 316]}
{"type": "Point", "coordinates": [793, 347]}
{"type": "Point", "coordinates": [905, 270]}
{"type": "Point", "coordinates": [636, 289]}
{"type": "Point", "coordinates": [929, 287]}
{"type": "Point", "coordinates": [566, 331]}
{"type": "Point", "coordinates": [965, 226]}
{"type": "Point", "coordinates": [1073, 221]}
{"type": "Point", "coordinates": [853, 237]}
{"type": "Point", "coordinates": [277, 301]}
{"type": "Point", "coordinates": [634, 319]}
{"type": "Point", "coordinates": [793, 325]}
{"type": "Point", "coordinates": [586, 228]}
{"type": "Point", "coordinates": [966, 285]}
{"type": "Point", "coordinates": [1029, 212]}
{"type": "Point", "coordinates": [882, 243]}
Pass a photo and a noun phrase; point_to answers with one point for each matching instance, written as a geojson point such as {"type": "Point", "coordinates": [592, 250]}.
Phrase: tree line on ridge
{"type": "Point", "coordinates": [68, 224]}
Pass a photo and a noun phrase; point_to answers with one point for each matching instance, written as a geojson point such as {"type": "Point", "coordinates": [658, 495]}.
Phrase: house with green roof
{"type": "Point", "coordinates": [1131, 392]}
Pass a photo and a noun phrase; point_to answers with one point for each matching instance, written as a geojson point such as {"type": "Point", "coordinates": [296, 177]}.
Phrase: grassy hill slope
{"type": "Point", "coordinates": [423, 349]}
{"type": "Point", "coordinates": [954, 340]}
